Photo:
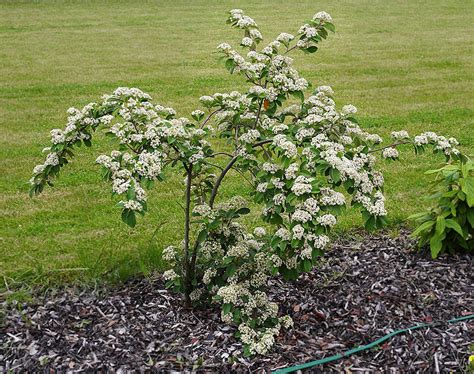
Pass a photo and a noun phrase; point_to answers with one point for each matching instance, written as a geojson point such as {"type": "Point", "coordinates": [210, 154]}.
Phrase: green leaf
{"type": "Point", "coordinates": [452, 224]}
{"type": "Point", "coordinates": [226, 308]}
{"type": "Point", "coordinates": [423, 227]}
{"type": "Point", "coordinates": [295, 243]}
{"type": "Point", "coordinates": [202, 236]}
{"type": "Point", "coordinates": [128, 216]}
{"type": "Point", "coordinates": [436, 244]}
{"type": "Point", "coordinates": [307, 265]}
{"type": "Point", "coordinates": [229, 64]}
{"type": "Point", "coordinates": [312, 49]}
{"type": "Point", "coordinates": [237, 314]}
{"type": "Point", "coordinates": [230, 271]}
{"type": "Point", "coordinates": [323, 33]}
{"type": "Point", "coordinates": [247, 351]}
{"type": "Point", "coordinates": [298, 95]}
{"type": "Point", "coordinates": [131, 193]}
{"type": "Point", "coordinates": [370, 224]}
{"type": "Point", "coordinates": [283, 245]}
{"type": "Point", "coordinates": [335, 175]}
{"type": "Point", "coordinates": [242, 211]}
{"type": "Point", "coordinates": [330, 26]}
{"type": "Point", "coordinates": [470, 217]}
{"type": "Point", "coordinates": [467, 186]}
{"type": "Point", "coordinates": [271, 108]}
{"type": "Point", "coordinates": [288, 274]}
{"type": "Point", "coordinates": [440, 225]}
{"type": "Point", "coordinates": [276, 219]}
{"type": "Point", "coordinates": [419, 216]}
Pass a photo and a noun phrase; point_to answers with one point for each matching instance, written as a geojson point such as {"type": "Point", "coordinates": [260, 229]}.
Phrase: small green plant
{"type": "Point", "coordinates": [448, 226]}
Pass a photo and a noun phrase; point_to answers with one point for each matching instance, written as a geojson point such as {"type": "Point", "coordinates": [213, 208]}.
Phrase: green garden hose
{"type": "Point", "coordinates": [365, 347]}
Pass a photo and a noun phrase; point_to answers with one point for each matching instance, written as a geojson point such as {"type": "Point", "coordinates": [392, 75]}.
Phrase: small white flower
{"type": "Point", "coordinates": [246, 42]}
{"type": "Point", "coordinates": [348, 110]}
{"type": "Point", "coordinates": [52, 159]}
{"type": "Point", "coordinates": [259, 232]}
{"type": "Point", "coordinates": [285, 37]}
{"type": "Point", "coordinates": [38, 169]}
{"type": "Point", "coordinates": [327, 90]}
{"type": "Point", "coordinates": [390, 153]}
{"type": "Point", "coordinates": [283, 234]}
{"type": "Point", "coordinates": [323, 16]}
{"type": "Point", "coordinates": [133, 205]}
{"type": "Point", "coordinates": [170, 275]}
{"type": "Point", "coordinates": [301, 216]}
{"type": "Point", "coordinates": [327, 220]}
{"type": "Point", "coordinates": [262, 187]}
{"type": "Point", "coordinates": [197, 113]}
{"type": "Point", "coordinates": [279, 199]}
{"type": "Point", "coordinates": [203, 210]}
{"type": "Point", "coordinates": [169, 253]}
{"type": "Point", "coordinates": [298, 232]}
{"type": "Point", "coordinates": [399, 135]}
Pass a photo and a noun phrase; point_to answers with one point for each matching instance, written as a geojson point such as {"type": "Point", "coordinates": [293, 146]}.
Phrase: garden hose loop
{"type": "Point", "coordinates": [350, 352]}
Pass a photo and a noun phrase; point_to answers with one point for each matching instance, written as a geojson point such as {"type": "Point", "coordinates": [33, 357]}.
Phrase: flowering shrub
{"type": "Point", "coordinates": [449, 225]}
{"type": "Point", "coordinates": [305, 157]}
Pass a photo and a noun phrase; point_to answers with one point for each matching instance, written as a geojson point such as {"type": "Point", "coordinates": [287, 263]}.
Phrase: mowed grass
{"type": "Point", "coordinates": [405, 65]}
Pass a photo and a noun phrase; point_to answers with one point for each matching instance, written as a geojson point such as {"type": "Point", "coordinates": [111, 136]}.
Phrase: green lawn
{"type": "Point", "coordinates": [404, 64]}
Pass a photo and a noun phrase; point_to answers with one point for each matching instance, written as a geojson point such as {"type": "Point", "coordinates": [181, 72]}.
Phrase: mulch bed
{"type": "Point", "coordinates": [361, 291]}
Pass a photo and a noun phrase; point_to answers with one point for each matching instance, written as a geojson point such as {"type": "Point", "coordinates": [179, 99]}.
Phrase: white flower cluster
{"type": "Point", "coordinates": [390, 152]}
{"type": "Point", "coordinates": [170, 275]}
{"type": "Point", "coordinates": [331, 197]}
{"type": "Point", "coordinates": [309, 32]}
{"type": "Point", "coordinates": [285, 37]}
{"type": "Point", "coordinates": [374, 205]}
{"type": "Point", "coordinates": [289, 148]}
{"type": "Point", "coordinates": [302, 185]}
{"type": "Point", "coordinates": [119, 166]}
{"type": "Point", "coordinates": [238, 19]}
{"type": "Point", "coordinates": [440, 143]}
{"type": "Point", "coordinates": [242, 21]}
{"type": "Point", "coordinates": [169, 254]}
{"type": "Point", "coordinates": [301, 216]}
{"type": "Point", "coordinates": [323, 16]}
{"type": "Point", "coordinates": [203, 210]}
{"type": "Point", "coordinates": [259, 232]}
{"type": "Point", "coordinates": [396, 135]}
{"type": "Point", "coordinates": [254, 304]}
{"type": "Point", "coordinates": [250, 136]}
{"type": "Point", "coordinates": [327, 220]}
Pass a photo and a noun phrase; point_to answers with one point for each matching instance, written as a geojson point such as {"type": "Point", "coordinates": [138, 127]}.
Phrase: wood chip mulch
{"type": "Point", "coordinates": [360, 292]}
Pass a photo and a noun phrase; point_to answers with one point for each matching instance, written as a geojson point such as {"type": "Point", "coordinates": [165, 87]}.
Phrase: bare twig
{"type": "Point", "coordinates": [258, 113]}
{"type": "Point", "coordinates": [261, 142]}
{"type": "Point", "coordinates": [209, 117]}
{"type": "Point", "coordinates": [243, 176]}
{"type": "Point", "coordinates": [214, 165]}
{"type": "Point", "coordinates": [221, 153]}
{"type": "Point", "coordinates": [393, 145]}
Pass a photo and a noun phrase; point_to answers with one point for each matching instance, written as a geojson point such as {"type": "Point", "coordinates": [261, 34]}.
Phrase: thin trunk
{"type": "Point", "coordinates": [226, 169]}
{"type": "Point", "coordinates": [187, 265]}
{"type": "Point", "coordinates": [219, 180]}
